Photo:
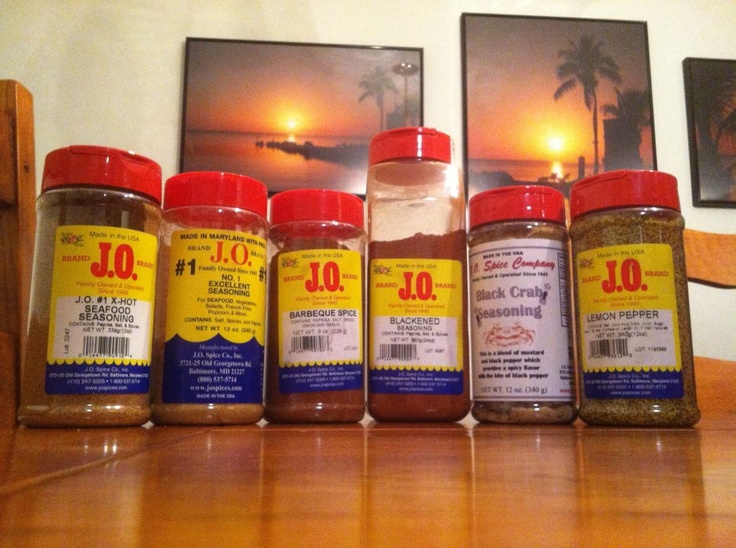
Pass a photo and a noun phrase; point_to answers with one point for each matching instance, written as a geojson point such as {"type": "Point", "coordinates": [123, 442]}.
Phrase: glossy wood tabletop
{"type": "Point", "coordinates": [377, 484]}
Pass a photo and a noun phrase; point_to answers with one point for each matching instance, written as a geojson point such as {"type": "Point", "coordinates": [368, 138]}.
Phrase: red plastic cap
{"type": "Point", "coordinates": [102, 166]}
{"type": "Point", "coordinates": [509, 203]}
{"type": "Point", "coordinates": [216, 188]}
{"type": "Point", "coordinates": [624, 188]}
{"type": "Point", "coordinates": [410, 142]}
{"type": "Point", "coordinates": [311, 204]}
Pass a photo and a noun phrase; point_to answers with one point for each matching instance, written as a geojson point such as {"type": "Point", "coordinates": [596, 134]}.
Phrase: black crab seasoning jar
{"type": "Point", "coordinates": [417, 290]}
{"type": "Point", "coordinates": [92, 292]}
{"type": "Point", "coordinates": [315, 357]}
{"type": "Point", "coordinates": [211, 309]}
{"type": "Point", "coordinates": [521, 319]}
{"type": "Point", "coordinates": [634, 343]}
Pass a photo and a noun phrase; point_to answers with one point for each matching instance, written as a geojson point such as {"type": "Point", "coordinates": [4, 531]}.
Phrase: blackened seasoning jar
{"type": "Point", "coordinates": [521, 322]}
{"type": "Point", "coordinates": [211, 307]}
{"type": "Point", "coordinates": [417, 291]}
{"type": "Point", "coordinates": [92, 291]}
{"type": "Point", "coordinates": [315, 358]}
{"type": "Point", "coordinates": [634, 348]}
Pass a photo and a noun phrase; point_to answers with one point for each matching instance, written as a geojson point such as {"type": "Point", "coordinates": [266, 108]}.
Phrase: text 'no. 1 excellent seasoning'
{"type": "Point", "coordinates": [92, 295]}
{"type": "Point", "coordinates": [520, 306]}
{"type": "Point", "coordinates": [210, 328]}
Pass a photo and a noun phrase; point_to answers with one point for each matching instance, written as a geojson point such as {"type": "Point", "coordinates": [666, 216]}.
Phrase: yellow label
{"type": "Point", "coordinates": [102, 295]}
{"type": "Point", "coordinates": [320, 307]}
{"type": "Point", "coordinates": [416, 314]}
{"type": "Point", "coordinates": [628, 308]}
{"type": "Point", "coordinates": [216, 285]}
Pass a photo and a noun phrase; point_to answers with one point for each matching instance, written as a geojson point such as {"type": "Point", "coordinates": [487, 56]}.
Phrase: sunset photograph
{"type": "Point", "coordinates": [294, 115]}
{"type": "Point", "coordinates": [552, 100]}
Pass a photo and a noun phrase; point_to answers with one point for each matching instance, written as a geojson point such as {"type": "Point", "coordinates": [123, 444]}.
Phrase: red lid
{"type": "Point", "coordinates": [215, 188]}
{"type": "Point", "coordinates": [102, 166]}
{"type": "Point", "coordinates": [624, 188]}
{"type": "Point", "coordinates": [410, 142]}
{"type": "Point", "coordinates": [509, 203]}
{"type": "Point", "coordinates": [311, 204]}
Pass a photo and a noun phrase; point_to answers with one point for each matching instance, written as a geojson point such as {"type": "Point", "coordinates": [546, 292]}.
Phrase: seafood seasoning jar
{"type": "Point", "coordinates": [417, 290]}
{"type": "Point", "coordinates": [92, 290]}
{"type": "Point", "coordinates": [520, 313]}
{"type": "Point", "coordinates": [634, 343]}
{"type": "Point", "coordinates": [315, 357]}
{"type": "Point", "coordinates": [211, 307]}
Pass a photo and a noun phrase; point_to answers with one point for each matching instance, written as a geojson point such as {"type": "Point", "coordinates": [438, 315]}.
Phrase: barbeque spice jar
{"type": "Point", "coordinates": [634, 342]}
{"type": "Point", "coordinates": [92, 292]}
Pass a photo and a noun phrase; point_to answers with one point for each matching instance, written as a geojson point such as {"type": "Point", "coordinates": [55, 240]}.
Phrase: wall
{"type": "Point", "coordinates": [109, 72]}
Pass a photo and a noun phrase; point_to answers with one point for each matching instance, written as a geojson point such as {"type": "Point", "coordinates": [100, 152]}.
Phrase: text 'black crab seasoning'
{"type": "Point", "coordinates": [635, 354]}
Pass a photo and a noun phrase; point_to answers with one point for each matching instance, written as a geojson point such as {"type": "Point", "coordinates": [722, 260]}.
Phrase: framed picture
{"type": "Point", "coordinates": [294, 115]}
{"type": "Point", "coordinates": [710, 95]}
{"type": "Point", "coordinates": [552, 100]}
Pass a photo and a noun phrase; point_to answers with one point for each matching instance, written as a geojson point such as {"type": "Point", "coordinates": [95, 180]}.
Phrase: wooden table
{"type": "Point", "coordinates": [377, 485]}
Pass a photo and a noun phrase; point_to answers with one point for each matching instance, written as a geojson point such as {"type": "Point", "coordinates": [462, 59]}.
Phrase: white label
{"type": "Point", "coordinates": [326, 335]}
{"type": "Point", "coordinates": [519, 294]}
{"type": "Point", "coordinates": [421, 341]}
{"type": "Point", "coordinates": [102, 327]}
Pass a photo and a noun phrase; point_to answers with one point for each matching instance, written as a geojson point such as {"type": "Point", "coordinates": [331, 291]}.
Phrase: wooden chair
{"type": "Point", "coordinates": [17, 235]}
{"type": "Point", "coordinates": [711, 260]}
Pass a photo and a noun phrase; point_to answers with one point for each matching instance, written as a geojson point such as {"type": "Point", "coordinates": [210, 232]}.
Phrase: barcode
{"type": "Point", "coordinates": [112, 347]}
{"type": "Point", "coordinates": [318, 343]}
{"type": "Point", "coordinates": [402, 352]}
{"type": "Point", "coordinates": [608, 348]}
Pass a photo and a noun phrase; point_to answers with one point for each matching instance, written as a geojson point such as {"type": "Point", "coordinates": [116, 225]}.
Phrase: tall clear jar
{"type": "Point", "coordinates": [523, 359]}
{"type": "Point", "coordinates": [417, 292]}
{"type": "Point", "coordinates": [634, 342]}
{"type": "Point", "coordinates": [315, 359]}
{"type": "Point", "coordinates": [211, 308]}
{"type": "Point", "coordinates": [92, 290]}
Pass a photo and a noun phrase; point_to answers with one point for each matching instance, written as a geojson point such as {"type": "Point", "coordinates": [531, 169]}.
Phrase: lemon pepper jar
{"type": "Point", "coordinates": [315, 358]}
{"type": "Point", "coordinates": [523, 360]}
{"type": "Point", "coordinates": [635, 354]}
{"type": "Point", "coordinates": [417, 292]}
{"type": "Point", "coordinates": [92, 290]}
{"type": "Point", "coordinates": [211, 307]}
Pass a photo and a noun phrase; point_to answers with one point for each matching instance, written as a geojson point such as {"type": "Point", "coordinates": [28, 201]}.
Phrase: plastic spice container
{"type": "Point", "coordinates": [211, 308]}
{"type": "Point", "coordinates": [92, 292]}
{"type": "Point", "coordinates": [635, 354]}
{"type": "Point", "coordinates": [523, 362]}
{"type": "Point", "coordinates": [315, 358]}
{"type": "Point", "coordinates": [417, 328]}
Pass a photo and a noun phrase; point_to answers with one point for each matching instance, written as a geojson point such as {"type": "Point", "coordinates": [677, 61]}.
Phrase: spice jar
{"type": "Point", "coordinates": [520, 310]}
{"type": "Point", "coordinates": [315, 358]}
{"type": "Point", "coordinates": [635, 355]}
{"type": "Point", "coordinates": [417, 328]}
{"type": "Point", "coordinates": [92, 290]}
{"type": "Point", "coordinates": [211, 308]}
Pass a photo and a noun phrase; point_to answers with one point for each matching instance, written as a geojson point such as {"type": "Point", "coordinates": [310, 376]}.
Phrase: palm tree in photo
{"type": "Point", "coordinates": [375, 84]}
{"type": "Point", "coordinates": [584, 63]}
{"type": "Point", "coordinates": [632, 107]}
{"type": "Point", "coordinates": [715, 119]}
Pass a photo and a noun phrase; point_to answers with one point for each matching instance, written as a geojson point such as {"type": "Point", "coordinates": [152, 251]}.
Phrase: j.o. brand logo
{"type": "Point", "coordinates": [585, 263]}
{"type": "Point", "coordinates": [382, 270]}
{"type": "Point", "coordinates": [69, 238]}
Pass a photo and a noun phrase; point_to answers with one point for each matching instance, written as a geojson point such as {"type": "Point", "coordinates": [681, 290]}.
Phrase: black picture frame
{"type": "Point", "coordinates": [710, 102]}
{"type": "Point", "coordinates": [528, 116]}
{"type": "Point", "coordinates": [294, 115]}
